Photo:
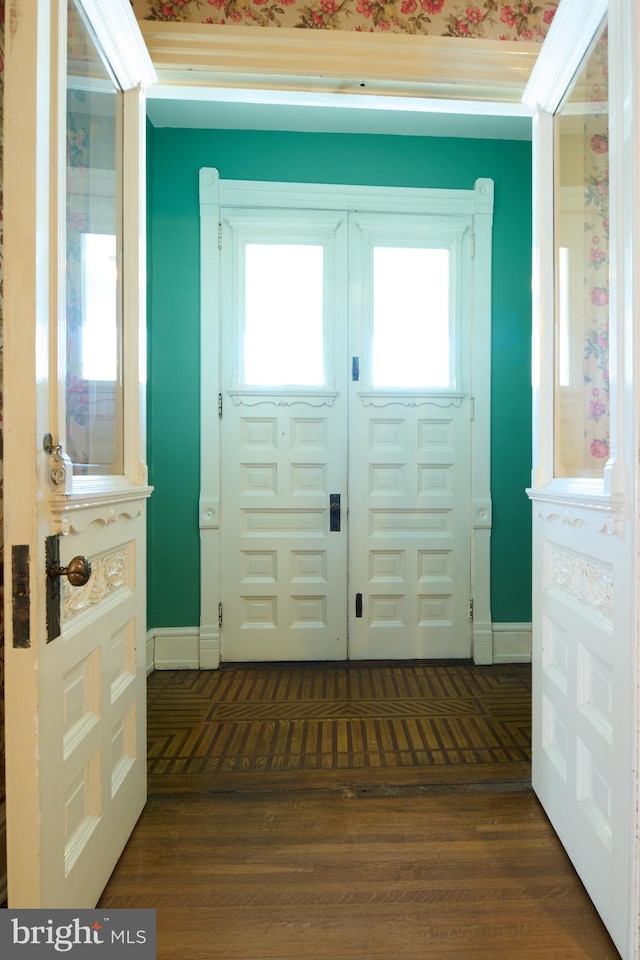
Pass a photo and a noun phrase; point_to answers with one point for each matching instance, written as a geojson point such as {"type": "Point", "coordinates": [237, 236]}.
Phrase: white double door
{"type": "Point", "coordinates": [345, 437]}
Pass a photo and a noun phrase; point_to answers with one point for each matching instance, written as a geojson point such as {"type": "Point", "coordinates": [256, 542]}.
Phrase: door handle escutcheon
{"type": "Point", "coordinates": [77, 572]}
{"type": "Point", "coordinates": [334, 512]}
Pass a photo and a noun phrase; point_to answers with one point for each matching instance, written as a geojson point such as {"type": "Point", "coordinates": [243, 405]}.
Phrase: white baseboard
{"type": "Point", "coordinates": [512, 643]}
{"type": "Point", "coordinates": [193, 648]}
{"type": "Point", "coordinates": [176, 648]}
{"type": "Point", "coordinates": [151, 651]}
{"type": "Point", "coordinates": [3, 852]}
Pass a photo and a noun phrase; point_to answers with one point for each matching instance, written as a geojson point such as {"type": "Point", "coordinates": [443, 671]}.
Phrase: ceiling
{"type": "Point", "coordinates": [244, 109]}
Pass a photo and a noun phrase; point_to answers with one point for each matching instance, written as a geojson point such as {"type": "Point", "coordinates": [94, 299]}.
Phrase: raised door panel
{"type": "Point", "coordinates": [284, 570]}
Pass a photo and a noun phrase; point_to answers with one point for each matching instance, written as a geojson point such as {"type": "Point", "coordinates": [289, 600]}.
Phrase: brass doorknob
{"type": "Point", "coordinates": [78, 571]}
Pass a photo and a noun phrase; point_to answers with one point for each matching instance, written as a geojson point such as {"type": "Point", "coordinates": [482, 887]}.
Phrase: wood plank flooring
{"type": "Point", "coordinates": [338, 875]}
{"type": "Point", "coordinates": [253, 727]}
{"type": "Point", "coordinates": [350, 813]}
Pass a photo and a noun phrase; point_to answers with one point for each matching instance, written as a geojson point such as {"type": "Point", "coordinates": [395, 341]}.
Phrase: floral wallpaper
{"type": "Point", "coordinates": [488, 19]}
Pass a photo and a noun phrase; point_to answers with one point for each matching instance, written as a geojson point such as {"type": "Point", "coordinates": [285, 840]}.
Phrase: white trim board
{"type": "Point", "coordinates": [177, 648]}
{"type": "Point", "coordinates": [511, 642]}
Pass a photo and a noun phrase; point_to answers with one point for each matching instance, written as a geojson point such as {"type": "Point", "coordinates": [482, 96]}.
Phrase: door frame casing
{"type": "Point", "coordinates": [478, 204]}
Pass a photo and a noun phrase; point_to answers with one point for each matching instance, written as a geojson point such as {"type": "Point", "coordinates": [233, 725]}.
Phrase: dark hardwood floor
{"type": "Point", "coordinates": [262, 855]}
{"type": "Point", "coordinates": [349, 724]}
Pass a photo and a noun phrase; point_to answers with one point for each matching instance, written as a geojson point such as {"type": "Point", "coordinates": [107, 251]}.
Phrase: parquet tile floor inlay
{"type": "Point", "coordinates": [264, 727]}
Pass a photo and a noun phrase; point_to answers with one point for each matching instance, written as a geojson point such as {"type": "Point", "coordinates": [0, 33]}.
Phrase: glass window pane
{"type": "Point", "coordinates": [411, 328]}
{"type": "Point", "coordinates": [283, 331]}
{"type": "Point", "coordinates": [581, 430]}
{"type": "Point", "coordinates": [93, 237]}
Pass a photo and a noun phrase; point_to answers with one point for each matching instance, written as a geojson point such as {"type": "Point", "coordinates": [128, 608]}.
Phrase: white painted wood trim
{"type": "Point", "coordinates": [562, 52]}
{"type": "Point", "coordinates": [512, 642]}
{"type": "Point", "coordinates": [134, 282]}
{"type": "Point", "coordinates": [256, 194]}
{"type": "Point", "coordinates": [624, 79]}
{"type": "Point", "coordinates": [482, 638]}
{"type": "Point", "coordinates": [189, 55]}
{"type": "Point", "coordinates": [150, 652]}
{"type": "Point", "coordinates": [117, 32]}
{"type": "Point", "coordinates": [176, 648]}
{"type": "Point", "coordinates": [209, 649]}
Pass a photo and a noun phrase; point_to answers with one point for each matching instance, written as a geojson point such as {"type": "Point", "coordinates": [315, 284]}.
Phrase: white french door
{"type": "Point", "coordinates": [345, 431]}
{"type": "Point", "coordinates": [584, 91]}
{"type": "Point", "coordinates": [75, 480]}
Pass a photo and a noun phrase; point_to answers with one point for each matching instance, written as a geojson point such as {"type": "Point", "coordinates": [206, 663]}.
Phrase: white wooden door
{"type": "Point", "coordinates": [410, 438]}
{"type": "Point", "coordinates": [386, 571]}
{"type": "Point", "coordinates": [74, 307]}
{"type": "Point", "coordinates": [584, 484]}
{"type": "Point", "coordinates": [284, 569]}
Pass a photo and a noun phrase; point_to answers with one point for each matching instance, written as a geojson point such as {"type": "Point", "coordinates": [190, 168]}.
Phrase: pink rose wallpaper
{"type": "Point", "coordinates": [489, 20]}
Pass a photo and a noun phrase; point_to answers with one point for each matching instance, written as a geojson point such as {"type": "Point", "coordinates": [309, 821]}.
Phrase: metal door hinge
{"type": "Point", "coordinates": [355, 368]}
{"type": "Point", "coordinates": [219, 614]}
{"type": "Point", "coordinates": [219, 406]}
{"type": "Point", "coordinates": [473, 408]}
{"type": "Point", "coordinates": [219, 236]}
{"type": "Point", "coordinates": [470, 609]}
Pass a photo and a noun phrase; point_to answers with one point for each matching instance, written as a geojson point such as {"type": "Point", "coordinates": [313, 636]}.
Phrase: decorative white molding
{"type": "Point", "coordinates": [109, 573]}
{"type": "Point", "coordinates": [342, 62]}
{"type": "Point", "coordinates": [512, 642]}
{"type": "Point", "coordinates": [74, 512]}
{"type": "Point", "coordinates": [562, 52]}
{"type": "Point", "coordinates": [381, 399]}
{"type": "Point", "coordinates": [482, 514]}
{"type": "Point", "coordinates": [587, 581]}
{"type": "Point", "coordinates": [177, 648]}
{"type": "Point", "coordinates": [118, 35]}
{"type": "Point", "coordinates": [604, 515]}
{"type": "Point", "coordinates": [249, 399]}
{"type": "Point", "coordinates": [209, 513]}
{"type": "Point", "coordinates": [257, 194]}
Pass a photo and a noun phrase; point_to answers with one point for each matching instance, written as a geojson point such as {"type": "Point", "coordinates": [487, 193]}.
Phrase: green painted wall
{"type": "Point", "coordinates": [174, 357]}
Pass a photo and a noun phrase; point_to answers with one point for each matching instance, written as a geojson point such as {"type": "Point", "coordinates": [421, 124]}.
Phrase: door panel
{"type": "Point", "coordinates": [409, 528]}
{"type": "Point", "coordinates": [75, 685]}
{"type": "Point", "coordinates": [405, 524]}
{"type": "Point", "coordinates": [410, 437]}
{"type": "Point", "coordinates": [584, 485]}
{"type": "Point", "coordinates": [284, 571]}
